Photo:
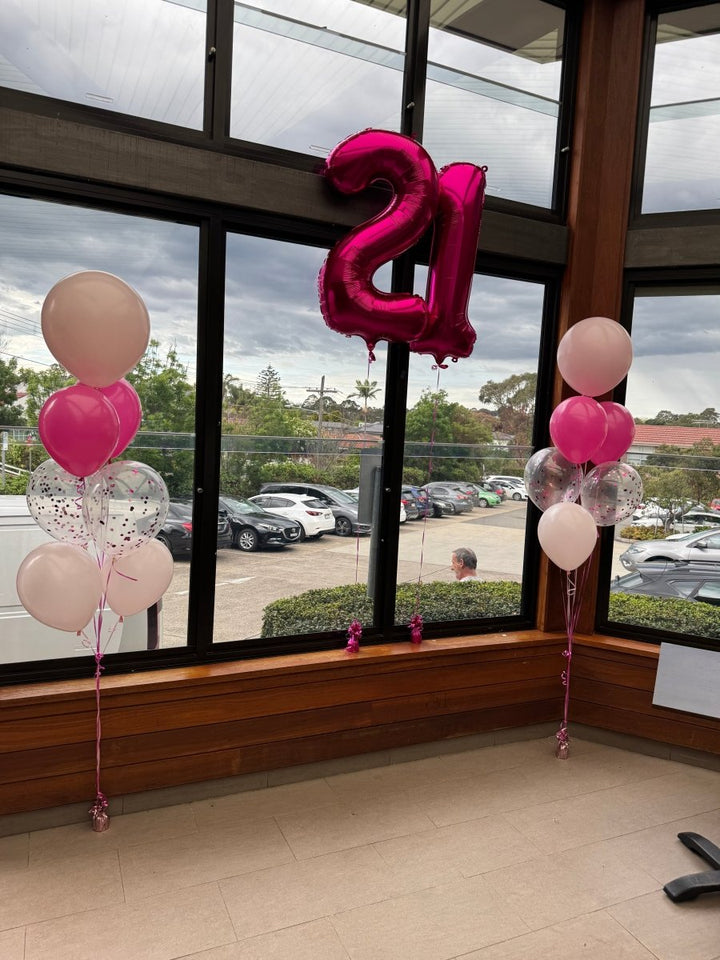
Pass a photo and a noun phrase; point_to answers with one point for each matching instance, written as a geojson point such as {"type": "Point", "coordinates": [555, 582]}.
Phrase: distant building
{"type": "Point", "coordinates": [649, 437]}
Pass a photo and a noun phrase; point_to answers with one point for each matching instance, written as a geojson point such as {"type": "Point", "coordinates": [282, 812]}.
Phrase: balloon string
{"type": "Point", "coordinates": [574, 587]}
{"type": "Point", "coordinates": [416, 623]}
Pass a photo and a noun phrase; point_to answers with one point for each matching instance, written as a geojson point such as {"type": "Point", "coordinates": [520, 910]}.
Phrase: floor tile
{"type": "Point", "coordinates": [14, 851]}
{"type": "Point", "coordinates": [352, 824]}
{"type": "Point", "coordinates": [435, 924]}
{"type": "Point", "coordinates": [565, 885]}
{"type": "Point", "coordinates": [594, 936]}
{"type": "Point", "coordinates": [12, 944]}
{"type": "Point", "coordinates": [472, 847]}
{"type": "Point", "coordinates": [162, 927]}
{"type": "Point", "coordinates": [166, 823]}
{"type": "Point", "coordinates": [188, 792]}
{"type": "Point", "coordinates": [201, 857]}
{"type": "Point", "coordinates": [55, 889]}
{"type": "Point", "coordinates": [391, 781]}
{"type": "Point", "coordinates": [261, 804]}
{"type": "Point", "coordinates": [673, 931]}
{"type": "Point", "coordinates": [308, 941]}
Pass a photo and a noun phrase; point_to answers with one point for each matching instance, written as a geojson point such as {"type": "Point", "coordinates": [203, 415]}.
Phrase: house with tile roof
{"type": "Point", "coordinates": [648, 437]}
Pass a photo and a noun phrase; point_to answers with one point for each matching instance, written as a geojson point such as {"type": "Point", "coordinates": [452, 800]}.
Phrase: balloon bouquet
{"type": "Point", "coordinates": [593, 357]}
{"type": "Point", "coordinates": [102, 515]}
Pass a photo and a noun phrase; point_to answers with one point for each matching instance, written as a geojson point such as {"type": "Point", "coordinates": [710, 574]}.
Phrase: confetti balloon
{"type": "Point", "coordinates": [551, 478]}
{"type": "Point", "coordinates": [55, 498]}
{"type": "Point", "coordinates": [611, 492]}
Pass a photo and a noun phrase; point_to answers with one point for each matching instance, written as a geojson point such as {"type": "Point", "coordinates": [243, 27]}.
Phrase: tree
{"type": "Point", "coordinates": [514, 402]}
{"type": "Point", "coordinates": [268, 384]}
{"type": "Point", "coordinates": [367, 390]}
{"type": "Point", "coordinates": [40, 385]}
{"type": "Point", "coordinates": [166, 395]}
{"type": "Point", "coordinates": [11, 413]}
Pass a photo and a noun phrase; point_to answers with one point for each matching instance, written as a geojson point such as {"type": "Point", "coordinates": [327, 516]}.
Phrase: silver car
{"type": "Point", "coordinates": [704, 545]}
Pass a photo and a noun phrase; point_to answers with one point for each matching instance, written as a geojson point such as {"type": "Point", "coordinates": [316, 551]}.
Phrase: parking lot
{"type": "Point", "coordinates": [247, 582]}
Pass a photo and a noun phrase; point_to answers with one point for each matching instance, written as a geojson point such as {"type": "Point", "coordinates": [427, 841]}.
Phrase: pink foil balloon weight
{"type": "Point", "coordinates": [96, 326]}
{"type": "Point", "coordinates": [452, 262]}
{"type": "Point", "coordinates": [349, 301]}
{"type": "Point", "coordinates": [594, 355]}
{"type": "Point", "coordinates": [123, 397]}
{"type": "Point", "coordinates": [79, 428]}
{"type": "Point", "coordinates": [620, 433]}
{"type": "Point", "coordinates": [578, 426]}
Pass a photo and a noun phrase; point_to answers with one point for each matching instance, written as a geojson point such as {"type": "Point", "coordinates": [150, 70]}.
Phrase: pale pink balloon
{"type": "Point", "coordinates": [96, 326]}
{"type": "Point", "coordinates": [138, 580]}
{"type": "Point", "coordinates": [79, 428]}
{"type": "Point", "coordinates": [620, 433]}
{"type": "Point", "coordinates": [567, 533]}
{"type": "Point", "coordinates": [59, 584]}
{"type": "Point", "coordinates": [123, 397]}
{"type": "Point", "coordinates": [578, 426]}
{"type": "Point", "coordinates": [594, 355]}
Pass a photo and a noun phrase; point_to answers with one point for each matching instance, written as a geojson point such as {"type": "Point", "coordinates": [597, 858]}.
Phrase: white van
{"type": "Point", "coordinates": [24, 638]}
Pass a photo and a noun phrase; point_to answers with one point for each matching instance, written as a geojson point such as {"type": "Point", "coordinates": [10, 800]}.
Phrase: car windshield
{"type": "Point", "coordinates": [339, 496]}
{"type": "Point", "coordinates": [240, 506]}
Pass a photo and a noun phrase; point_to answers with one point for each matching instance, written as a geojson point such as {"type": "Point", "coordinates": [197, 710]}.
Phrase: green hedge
{"type": "Point", "coordinates": [677, 616]}
{"type": "Point", "coordinates": [333, 608]}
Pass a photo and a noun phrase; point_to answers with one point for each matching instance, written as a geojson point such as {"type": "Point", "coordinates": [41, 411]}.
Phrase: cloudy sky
{"type": "Point", "coordinates": [334, 79]}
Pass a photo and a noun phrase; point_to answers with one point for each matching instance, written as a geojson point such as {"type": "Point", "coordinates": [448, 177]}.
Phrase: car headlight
{"type": "Point", "coordinates": [272, 527]}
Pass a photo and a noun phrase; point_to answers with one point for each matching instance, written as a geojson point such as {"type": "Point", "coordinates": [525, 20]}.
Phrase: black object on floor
{"type": "Point", "coordinates": [691, 886]}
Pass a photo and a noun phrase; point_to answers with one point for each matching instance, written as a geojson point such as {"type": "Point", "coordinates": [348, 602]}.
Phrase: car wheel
{"type": "Point", "coordinates": [303, 535]}
{"type": "Point", "coordinates": [161, 538]}
{"type": "Point", "coordinates": [343, 527]}
{"type": "Point", "coordinates": [517, 496]}
{"type": "Point", "coordinates": [483, 503]}
{"type": "Point", "coordinates": [246, 539]}
{"type": "Point", "coordinates": [450, 509]}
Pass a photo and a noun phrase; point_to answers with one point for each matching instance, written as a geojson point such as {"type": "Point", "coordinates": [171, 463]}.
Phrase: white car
{"type": "Point", "coordinates": [315, 517]}
{"type": "Point", "coordinates": [355, 492]}
{"type": "Point", "coordinates": [514, 489]}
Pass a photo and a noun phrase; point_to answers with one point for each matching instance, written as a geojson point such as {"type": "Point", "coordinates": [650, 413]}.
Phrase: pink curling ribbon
{"type": "Point", "coordinates": [416, 628]}
{"type": "Point", "coordinates": [353, 636]}
{"type": "Point", "coordinates": [571, 613]}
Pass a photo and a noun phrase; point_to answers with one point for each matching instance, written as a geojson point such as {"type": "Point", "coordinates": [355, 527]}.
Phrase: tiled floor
{"type": "Point", "coordinates": [496, 853]}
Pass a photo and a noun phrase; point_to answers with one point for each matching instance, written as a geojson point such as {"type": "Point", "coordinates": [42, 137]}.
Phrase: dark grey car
{"type": "Point", "coordinates": [682, 580]}
{"type": "Point", "coordinates": [343, 506]}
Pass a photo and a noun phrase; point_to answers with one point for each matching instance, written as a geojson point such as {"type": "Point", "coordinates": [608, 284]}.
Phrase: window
{"type": "Point", "coordinates": [145, 58]}
{"type": "Point", "coordinates": [683, 135]}
{"type": "Point", "coordinates": [493, 91]}
{"type": "Point", "coordinates": [43, 242]}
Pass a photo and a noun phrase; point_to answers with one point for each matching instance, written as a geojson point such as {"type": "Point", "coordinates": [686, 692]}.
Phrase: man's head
{"type": "Point", "coordinates": [463, 563]}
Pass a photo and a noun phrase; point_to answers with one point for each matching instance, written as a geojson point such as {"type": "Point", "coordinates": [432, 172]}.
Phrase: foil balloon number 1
{"type": "Point", "coordinates": [450, 201]}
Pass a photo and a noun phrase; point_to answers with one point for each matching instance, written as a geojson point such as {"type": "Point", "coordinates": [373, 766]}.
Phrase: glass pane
{"type": "Point", "coordinates": [493, 89]}
{"type": "Point", "coordinates": [671, 392]}
{"type": "Point", "coordinates": [684, 130]}
{"type": "Point", "coordinates": [305, 76]}
{"type": "Point", "coordinates": [301, 406]}
{"type": "Point", "coordinates": [469, 431]}
{"type": "Point", "coordinates": [42, 243]}
{"type": "Point", "coordinates": [145, 58]}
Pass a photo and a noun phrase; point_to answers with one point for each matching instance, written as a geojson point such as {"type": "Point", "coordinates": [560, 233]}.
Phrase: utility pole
{"type": "Point", "coordinates": [322, 392]}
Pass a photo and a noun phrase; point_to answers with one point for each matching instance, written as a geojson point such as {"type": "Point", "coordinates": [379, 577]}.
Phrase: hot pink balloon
{"type": "Point", "coordinates": [79, 428]}
{"type": "Point", "coordinates": [123, 397]}
{"type": "Point", "coordinates": [349, 301]}
{"type": "Point", "coordinates": [578, 426]}
{"type": "Point", "coordinates": [138, 580]}
{"type": "Point", "coordinates": [452, 262]}
{"type": "Point", "coordinates": [96, 326]}
{"type": "Point", "coordinates": [567, 534]}
{"type": "Point", "coordinates": [60, 585]}
{"type": "Point", "coordinates": [594, 355]}
{"type": "Point", "coordinates": [620, 433]}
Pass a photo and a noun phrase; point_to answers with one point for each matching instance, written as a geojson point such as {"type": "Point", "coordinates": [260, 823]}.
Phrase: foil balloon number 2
{"type": "Point", "coordinates": [450, 201]}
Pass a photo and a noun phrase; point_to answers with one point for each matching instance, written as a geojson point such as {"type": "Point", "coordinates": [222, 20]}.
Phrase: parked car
{"type": "Point", "coordinates": [252, 527]}
{"type": "Point", "coordinates": [696, 520]}
{"type": "Point", "coordinates": [422, 501]}
{"type": "Point", "coordinates": [715, 503]}
{"type": "Point", "coordinates": [704, 545]}
{"type": "Point", "coordinates": [681, 579]}
{"type": "Point", "coordinates": [506, 478]}
{"type": "Point", "coordinates": [446, 499]}
{"type": "Point", "coordinates": [485, 497]}
{"type": "Point", "coordinates": [343, 506]}
{"type": "Point", "coordinates": [176, 532]}
{"type": "Point", "coordinates": [315, 518]}
{"type": "Point", "coordinates": [495, 488]}
{"type": "Point", "coordinates": [404, 516]}
{"type": "Point", "coordinates": [514, 489]}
